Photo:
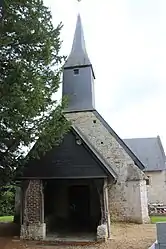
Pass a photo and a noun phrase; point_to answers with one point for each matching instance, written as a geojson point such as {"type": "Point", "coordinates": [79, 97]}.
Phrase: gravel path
{"type": "Point", "coordinates": [124, 236]}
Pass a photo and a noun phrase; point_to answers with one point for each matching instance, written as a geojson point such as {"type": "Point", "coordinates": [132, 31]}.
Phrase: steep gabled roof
{"type": "Point", "coordinates": [55, 162]}
{"type": "Point", "coordinates": [134, 157]}
{"type": "Point", "coordinates": [150, 152]}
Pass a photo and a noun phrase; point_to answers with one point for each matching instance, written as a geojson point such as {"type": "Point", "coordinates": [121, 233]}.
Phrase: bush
{"type": "Point", "coordinates": [7, 200]}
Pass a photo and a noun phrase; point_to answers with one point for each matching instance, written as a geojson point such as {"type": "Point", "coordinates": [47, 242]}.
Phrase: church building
{"type": "Point", "coordinates": [92, 178]}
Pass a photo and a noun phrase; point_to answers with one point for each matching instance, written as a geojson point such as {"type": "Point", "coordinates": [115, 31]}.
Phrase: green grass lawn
{"type": "Point", "coordinates": [155, 219]}
{"type": "Point", "coordinates": [6, 218]}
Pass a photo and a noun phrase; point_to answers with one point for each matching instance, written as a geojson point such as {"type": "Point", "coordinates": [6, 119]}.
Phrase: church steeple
{"type": "Point", "coordinates": [78, 75]}
{"type": "Point", "coordinates": [78, 55]}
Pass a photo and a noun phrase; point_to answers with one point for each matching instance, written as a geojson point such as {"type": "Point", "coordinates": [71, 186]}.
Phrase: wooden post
{"type": "Point", "coordinates": [102, 208]}
{"type": "Point", "coordinates": [106, 207]}
{"type": "Point", "coordinates": [21, 206]}
{"type": "Point", "coordinates": [17, 205]}
{"type": "Point", "coordinates": [99, 186]}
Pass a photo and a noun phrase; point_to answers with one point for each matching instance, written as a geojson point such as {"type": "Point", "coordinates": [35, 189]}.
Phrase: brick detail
{"type": "Point", "coordinates": [33, 202]}
{"type": "Point", "coordinates": [33, 226]}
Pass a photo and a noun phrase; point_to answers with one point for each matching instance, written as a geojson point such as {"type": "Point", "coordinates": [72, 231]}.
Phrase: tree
{"type": "Point", "coordinates": [30, 73]}
{"type": "Point", "coordinates": [7, 199]}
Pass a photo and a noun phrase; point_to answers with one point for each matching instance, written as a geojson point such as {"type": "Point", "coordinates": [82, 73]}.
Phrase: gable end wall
{"type": "Point", "coordinates": [131, 180]}
{"type": "Point", "coordinates": [157, 188]}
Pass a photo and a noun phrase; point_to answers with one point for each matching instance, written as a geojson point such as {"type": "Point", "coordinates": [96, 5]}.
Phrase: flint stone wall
{"type": "Point", "coordinates": [128, 197]}
{"type": "Point", "coordinates": [33, 226]}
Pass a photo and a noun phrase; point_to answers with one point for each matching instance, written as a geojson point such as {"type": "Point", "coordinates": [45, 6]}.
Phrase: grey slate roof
{"type": "Point", "coordinates": [150, 152]}
{"type": "Point", "coordinates": [78, 55]}
{"type": "Point", "coordinates": [130, 152]}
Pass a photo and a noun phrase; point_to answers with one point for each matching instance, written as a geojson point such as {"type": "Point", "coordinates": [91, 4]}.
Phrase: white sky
{"type": "Point", "coordinates": [126, 42]}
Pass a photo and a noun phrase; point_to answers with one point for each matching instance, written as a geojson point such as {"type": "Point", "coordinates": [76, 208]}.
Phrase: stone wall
{"type": "Point", "coordinates": [33, 226]}
{"type": "Point", "coordinates": [157, 187]}
{"type": "Point", "coordinates": [131, 205]}
{"type": "Point", "coordinates": [131, 180]}
{"type": "Point", "coordinates": [144, 201]}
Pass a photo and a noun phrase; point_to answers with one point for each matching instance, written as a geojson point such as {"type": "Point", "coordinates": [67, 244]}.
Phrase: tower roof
{"type": "Point", "coordinates": [78, 55]}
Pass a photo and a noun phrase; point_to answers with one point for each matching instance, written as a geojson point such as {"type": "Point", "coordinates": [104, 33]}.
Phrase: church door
{"type": "Point", "coordinates": [79, 205]}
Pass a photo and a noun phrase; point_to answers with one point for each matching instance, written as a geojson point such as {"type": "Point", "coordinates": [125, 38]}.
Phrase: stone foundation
{"type": "Point", "coordinates": [102, 232]}
{"type": "Point", "coordinates": [33, 232]}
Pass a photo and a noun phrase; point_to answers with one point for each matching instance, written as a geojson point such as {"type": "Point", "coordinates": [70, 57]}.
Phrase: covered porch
{"type": "Point", "coordinates": [77, 207]}
{"type": "Point", "coordinates": [66, 192]}
{"type": "Point", "coordinates": [65, 210]}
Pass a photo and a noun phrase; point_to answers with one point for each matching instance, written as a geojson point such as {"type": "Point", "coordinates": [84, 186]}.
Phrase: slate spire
{"type": "Point", "coordinates": [78, 55]}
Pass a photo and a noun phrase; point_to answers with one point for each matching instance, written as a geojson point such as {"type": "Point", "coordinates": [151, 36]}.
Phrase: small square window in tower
{"type": "Point", "coordinates": [76, 71]}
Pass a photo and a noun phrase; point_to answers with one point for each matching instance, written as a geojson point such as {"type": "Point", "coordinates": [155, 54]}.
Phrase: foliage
{"type": "Point", "coordinates": [30, 75]}
{"type": "Point", "coordinates": [7, 199]}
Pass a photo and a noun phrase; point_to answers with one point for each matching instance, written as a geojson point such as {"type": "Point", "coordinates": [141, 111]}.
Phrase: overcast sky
{"type": "Point", "coordinates": [126, 42]}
